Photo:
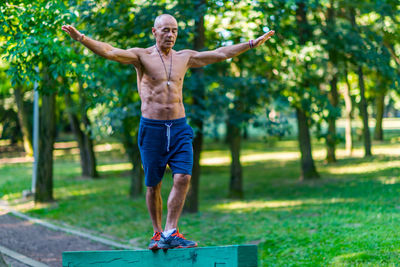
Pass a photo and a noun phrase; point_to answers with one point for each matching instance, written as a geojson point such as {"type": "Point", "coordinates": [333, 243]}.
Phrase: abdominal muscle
{"type": "Point", "coordinates": [162, 102]}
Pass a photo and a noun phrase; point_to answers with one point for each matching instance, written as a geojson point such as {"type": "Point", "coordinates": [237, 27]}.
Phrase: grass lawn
{"type": "Point", "coordinates": [351, 216]}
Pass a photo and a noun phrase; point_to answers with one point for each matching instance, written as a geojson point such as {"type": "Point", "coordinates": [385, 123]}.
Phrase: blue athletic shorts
{"type": "Point", "coordinates": [163, 142]}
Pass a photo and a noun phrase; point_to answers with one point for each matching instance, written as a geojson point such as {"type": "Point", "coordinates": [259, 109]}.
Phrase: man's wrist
{"type": "Point", "coordinates": [81, 38]}
{"type": "Point", "coordinates": [251, 44]}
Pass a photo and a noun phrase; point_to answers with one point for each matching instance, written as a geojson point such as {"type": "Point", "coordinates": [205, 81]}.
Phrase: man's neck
{"type": "Point", "coordinates": [165, 51]}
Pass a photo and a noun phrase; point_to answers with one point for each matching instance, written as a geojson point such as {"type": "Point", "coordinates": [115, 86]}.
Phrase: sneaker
{"type": "Point", "coordinates": [155, 240]}
{"type": "Point", "coordinates": [175, 240]}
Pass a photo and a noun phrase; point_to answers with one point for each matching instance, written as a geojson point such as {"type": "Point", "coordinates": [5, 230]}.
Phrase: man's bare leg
{"type": "Point", "coordinates": [154, 205]}
{"type": "Point", "coordinates": [176, 199]}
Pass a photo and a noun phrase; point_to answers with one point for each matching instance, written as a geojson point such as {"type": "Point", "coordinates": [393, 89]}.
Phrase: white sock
{"type": "Point", "coordinates": [169, 232]}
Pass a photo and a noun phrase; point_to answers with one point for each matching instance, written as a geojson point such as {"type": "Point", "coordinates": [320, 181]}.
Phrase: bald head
{"type": "Point", "coordinates": [165, 31]}
{"type": "Point", "coordinates": [162, 19]}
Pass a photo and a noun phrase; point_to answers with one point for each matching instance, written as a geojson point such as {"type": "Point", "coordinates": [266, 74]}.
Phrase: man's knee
{"type": "Point", "coordinates": [182, 179]}
{"type": "Point", "coordinates": [153, 190]}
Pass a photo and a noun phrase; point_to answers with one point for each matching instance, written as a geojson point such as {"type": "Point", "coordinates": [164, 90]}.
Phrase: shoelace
{"type": "Point", "coordinates": [156, 236]}
{"type": "Point", "coordinates": [178, 235]}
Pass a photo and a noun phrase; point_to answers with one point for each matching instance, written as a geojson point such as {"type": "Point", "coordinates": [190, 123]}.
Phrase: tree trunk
{"type": "Point", "coordinates": [44, 182]}
{"type": "Point", "coordinates": [333, 93]}
{"type": "Point", "coordinates": [331, 136]}
{"type": "Point", "coordinates": [246, 133]}
{"type": "Point", "coordinates": [192, 199]}
{"type": "Point", "coordinates": [136, 188]}
{"type": "Point", "coordinates": [364, 113]}
{"type": "Point", "coordinates": [87, 156]}
{"type": "Point", "coordinates": [380, 108]}
{"type": "Point", "coordinates": [236, 180]}
{"type": "Point", "coordinates": [90, 157]}
{"type": "Point", "coordinates": [26, 128]}
{"type": "Point", "coordinates": [132, 149]}
{"type": "Point", "coordinates": [363, 102]}
{"type": "Point", "coordinates": [349, 115]}
{"type": "Point", "coordinates": [308, 170]}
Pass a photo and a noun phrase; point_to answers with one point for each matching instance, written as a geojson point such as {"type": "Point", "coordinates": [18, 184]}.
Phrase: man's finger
{"type": "Point", "coordinates": [64, 29]}
{"type": "Point", "coordinates": [270, 33]}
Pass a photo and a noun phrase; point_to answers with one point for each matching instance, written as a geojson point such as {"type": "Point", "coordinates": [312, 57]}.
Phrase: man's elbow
{"type": "Point", "coordinates": [112, 56]}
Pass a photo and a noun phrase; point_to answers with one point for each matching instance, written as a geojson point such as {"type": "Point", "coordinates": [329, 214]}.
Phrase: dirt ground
{"type": "Point", "coordinates": [40, 243]}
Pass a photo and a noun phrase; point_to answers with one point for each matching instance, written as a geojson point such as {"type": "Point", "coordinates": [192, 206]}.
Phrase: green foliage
{"type": "Point", "coordinates": [286, 67]}
{"type": "Point", "coordinates": [33, 40]}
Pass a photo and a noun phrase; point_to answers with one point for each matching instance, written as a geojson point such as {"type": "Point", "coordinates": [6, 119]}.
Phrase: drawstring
{"type": "Point", "coordinates": [168, 134]}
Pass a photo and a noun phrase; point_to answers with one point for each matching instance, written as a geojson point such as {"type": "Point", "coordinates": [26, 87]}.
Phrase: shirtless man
{"type": "Point", "coordinates": [164, 136]}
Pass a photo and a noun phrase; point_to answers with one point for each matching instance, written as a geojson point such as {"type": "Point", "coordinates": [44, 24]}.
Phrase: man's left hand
{"type": "Point", "coordinates": [262, 39]}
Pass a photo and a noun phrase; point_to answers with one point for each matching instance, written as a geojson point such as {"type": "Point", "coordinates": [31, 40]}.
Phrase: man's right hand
{"type": "Point", "coordinates": [74, 33]}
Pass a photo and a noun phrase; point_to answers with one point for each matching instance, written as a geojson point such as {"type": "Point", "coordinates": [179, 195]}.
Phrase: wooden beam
{"type": "Point", "coordinates": [223, 256]}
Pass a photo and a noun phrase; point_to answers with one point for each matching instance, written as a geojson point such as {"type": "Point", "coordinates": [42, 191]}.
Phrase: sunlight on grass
{"type": "Point", "coordinates": [393, 150]}
{"type": "Point", "coordinates": [349, 257]}
{"type": "Point", "coordinates": [109, 147]}
{"type": "Point", "coordinates": [364, 167]}
{"type": "Point", "coordinates": [11, 196]}
{"type": "Point", "coordinates": [77, 191]}
{"type": "Point", "coordinates": [115, 167]}
{"type": "Point", "coordinates": [218, 158]}
{"type": "Point", "coordinates": [254, 157]}
{"type": "Point", "coordinates": [30, 205]}
{"type": "Point", "coordinates": [255, 205]}
{"type": "Point", "coordinates": [392, 180]}
{"type": "Point", "coordinates": [5, 142]}
{"type": "Point", "coordinates": [366, 257]}
{"type": "Point", "coordinates": [62, 152]}
{"type": "Point", "coordinates": [68, 148]}
{"type": "Point", "coordinates": [65, 145]}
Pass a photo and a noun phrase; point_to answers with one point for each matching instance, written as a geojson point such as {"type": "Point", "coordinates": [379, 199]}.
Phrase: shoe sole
{"type": "Point", "coordinates": [155, 247]}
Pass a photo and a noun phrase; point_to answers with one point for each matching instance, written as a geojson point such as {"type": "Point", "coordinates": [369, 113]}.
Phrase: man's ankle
{"type": "Point", "coordinates": [167, 233]}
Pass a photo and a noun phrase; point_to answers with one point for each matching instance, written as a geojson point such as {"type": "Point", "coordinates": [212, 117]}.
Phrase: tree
{"type": "Point", "coordinates": [77, 113]}
{"type": "Point", "coordinates": [239, 88]}
{"type": "Point", "coordinates": [24, 122]}
{"type": "Point", "coordinates": [333, 45]}
{"type": "Point", "coordinates": [29, 45]}
{"type": "Point", "coordinates": [198, 97]}
{"type": "Point", "coordinates": [113, 96]}
{"type": "Point", "coordinates": [348, 112]}
{"type": "Point", "coordinates": [387, 70]}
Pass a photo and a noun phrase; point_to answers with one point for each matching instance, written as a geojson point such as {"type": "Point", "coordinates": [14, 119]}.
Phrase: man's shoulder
{"type": "Point", "coordinates": [139, 50]}
{"type": "Point", "coordinates": [188, 52]}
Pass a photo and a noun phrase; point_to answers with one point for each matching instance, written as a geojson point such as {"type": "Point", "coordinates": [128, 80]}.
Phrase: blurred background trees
{"type": "Point", "coordinates": [329, 60]}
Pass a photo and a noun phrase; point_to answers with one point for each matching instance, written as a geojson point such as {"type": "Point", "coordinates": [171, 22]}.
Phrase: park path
{"type": "Point", "coordinates": [21, 238]}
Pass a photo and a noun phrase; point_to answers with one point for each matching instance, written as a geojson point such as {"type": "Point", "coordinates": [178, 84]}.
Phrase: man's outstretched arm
{"type": "Point", "coordinates": [200, 59]}
{"type": "Point", "coordinates": [105, 50]}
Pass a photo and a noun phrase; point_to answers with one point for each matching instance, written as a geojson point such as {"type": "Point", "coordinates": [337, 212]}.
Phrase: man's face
{"type": "Point", "coordinates": [166, 32]}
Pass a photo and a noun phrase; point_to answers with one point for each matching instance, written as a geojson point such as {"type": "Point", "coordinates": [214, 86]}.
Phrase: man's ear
{"type": "Point", "coordinates": [153, 30]}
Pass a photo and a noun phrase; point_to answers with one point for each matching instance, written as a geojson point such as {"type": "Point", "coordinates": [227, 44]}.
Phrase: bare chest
{"type": "Point", "coordinates": [156, 69]}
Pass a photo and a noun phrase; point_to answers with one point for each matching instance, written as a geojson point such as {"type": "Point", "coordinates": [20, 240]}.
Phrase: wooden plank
{"type": "Point", "coordinates": [222, 256]}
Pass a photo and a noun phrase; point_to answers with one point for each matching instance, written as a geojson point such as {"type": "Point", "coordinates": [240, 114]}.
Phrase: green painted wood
{"type": "Point", "coordinates": [223, 256]}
